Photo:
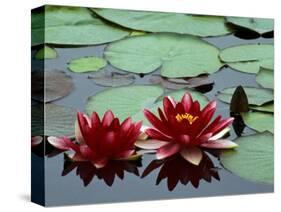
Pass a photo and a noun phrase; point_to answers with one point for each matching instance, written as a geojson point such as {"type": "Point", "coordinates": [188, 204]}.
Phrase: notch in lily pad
{"type": "Point", "coordinates": [239, 101]}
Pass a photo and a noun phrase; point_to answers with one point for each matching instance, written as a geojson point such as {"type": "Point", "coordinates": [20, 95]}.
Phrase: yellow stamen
{"type": "Point", "coordinates": [190, 118]}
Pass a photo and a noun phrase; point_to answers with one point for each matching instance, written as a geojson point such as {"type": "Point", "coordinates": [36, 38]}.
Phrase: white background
{"type": "Point", "coordinates": [15, 104]}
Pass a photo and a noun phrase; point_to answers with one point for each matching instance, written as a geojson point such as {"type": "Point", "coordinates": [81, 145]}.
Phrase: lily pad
{"type": "Point", "coordinates": [175, 55]}
{"type": "Point", "coordinates": [123, 101]}
{"type": "Point", "coordinates": [177, 95]}
{"type": "Point", "coordinates": [180, 83]}
{"type": "Point", "coordinates": [256, 96]}
{"type": "Point", "coordinates": [57, 85]}
{"type": "Point", "coordinates": [259, 25]}
{"type": "Point", "coordinates": [248, 57]}
{"type": "Point", "coordinates": [72, 26]}
{"type": "Point", "coordinates": [46, 53]}
{"type": "Point", "coordinates": [112, 79]}
{"type": "Point", "coordinates": [59, 120]}
{"type": "Point", "coordinates": [259, 121]}
{"type": "Point", "coordinates": [253, 160]}
{"type": "Point", "coordinates": [264, 108]}
{"type": "Point", "coordinates": [86, 64]}
{"type": "Point", "coordinates": [265, 78]}
{"type": "Point", "coordinates": [198, 25]}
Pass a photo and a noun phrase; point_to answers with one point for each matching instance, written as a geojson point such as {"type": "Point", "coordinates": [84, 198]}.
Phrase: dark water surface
{"type": "Point", "coordinates": [70, 189]}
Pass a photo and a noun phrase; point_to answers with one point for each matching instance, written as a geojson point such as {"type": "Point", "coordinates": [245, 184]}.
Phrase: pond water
{"type": "Point", "coordinates": [70, 189]}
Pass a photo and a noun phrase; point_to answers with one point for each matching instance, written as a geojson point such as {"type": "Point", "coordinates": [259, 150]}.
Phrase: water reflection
{"type": "Point", "coordinates": [176, 169]}
{"type": "Point", "coordinates": [86, 171]}
{"type": "Point", "coordinates": [44, 148]}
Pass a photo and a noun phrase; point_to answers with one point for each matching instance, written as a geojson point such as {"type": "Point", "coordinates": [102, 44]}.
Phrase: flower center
{"type": "Point", "coordinates": [190, 118]}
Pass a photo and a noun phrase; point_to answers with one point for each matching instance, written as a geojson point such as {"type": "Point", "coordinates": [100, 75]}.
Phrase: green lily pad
{"type": "Point", "coordinates": [59, 120]}
{"type": "Point", "coordinates": [253, 159]}
{"type": "Point", "coordinates": [46, 53]}
{"type": "Point", "coordinates": [198, 25]}
{"type": "Point", "coordinates": [259, 121]}
{"type": "Point", "coordinates": [86, 64]}
{"type": "Point", "coordinates": [176, 55]}
{"type": "Point", "coordinates": [48, 86]}
{"type": "Point", "coordinates": [249, 57]}
{"type": "Point", "coordinates": [265, 78]}
{"type": "Point", "coordinates": [177, 95]}
{"type": "Point", "coordinates": [123, 101]}
{"type": "Point", "coordinates": [112, 79]}
{"type": "Point", "coordinates": [256, 96]}
{"type": "Point", "coordinates": [264, 108]}
{"type": "Point", "coordinates": [72, 26]}
{"type": "Point", "coordinates": [259, 25]}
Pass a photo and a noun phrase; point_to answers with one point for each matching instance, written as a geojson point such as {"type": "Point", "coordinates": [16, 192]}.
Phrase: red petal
{"type": "Point", "coordinates": [158, 124]}
{"type": "Point", "coordinates": [167, 150]}
{"type": "Point", "coordinates": [210, 106]}
{"type": "Point", "coordinates": [62, 143]}
{"type": "Point", "coordinates": [125, 126]}
{"type": "Point", "coordinates": [187, 101]}
{"type": "Point", "coordinates": [155, 134]}
{"type": "Point", "coordinates": [184, 139]}
{"type": "Point", "coordinates": [78, 134]}
{"type": "Point", "coordinates": [107, 118]}
{"type": "Point", "coordinates": [162, 116]}
{"type": "Point", "coordinates": [168, 105]}
{"type": "Point", "coordinates": [195, 109]}
{"type": "Point", "coordinates": [95, 120]}
{"type": "Point", "coordinates": [221, 125]}
{"type": "Point", "coordinates": [86, 152]}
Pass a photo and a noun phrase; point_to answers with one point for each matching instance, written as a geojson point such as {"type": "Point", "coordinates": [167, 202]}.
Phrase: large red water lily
{"type": "Point", "coordinates": [183, 127]}
{"type": "Point", "coordinates": [99, 141]}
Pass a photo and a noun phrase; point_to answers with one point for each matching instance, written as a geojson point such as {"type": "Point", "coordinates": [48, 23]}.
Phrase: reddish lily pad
{"type": "Point", "coordinates": [112, 79]}
{"type": "Point", "coordinates": [57, 85]}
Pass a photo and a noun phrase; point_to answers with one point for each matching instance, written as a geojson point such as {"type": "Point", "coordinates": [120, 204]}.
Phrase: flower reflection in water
{"type": "Point", "coordinates": [87, 171]}
{"type": "Point", "coordinates": [176, 169]}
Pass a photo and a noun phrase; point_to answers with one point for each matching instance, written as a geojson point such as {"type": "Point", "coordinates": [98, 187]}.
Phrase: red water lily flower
{"type": "Point", "coordinates": [183, 127]}
{"type": "Point", "coordinates": [99, 141]}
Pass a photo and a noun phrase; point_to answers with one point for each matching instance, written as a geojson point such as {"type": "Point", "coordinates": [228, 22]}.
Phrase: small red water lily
{"type": "Point", "coordinates": [183, 127]}
{"type": "Point", "coordinates": [100, 141]}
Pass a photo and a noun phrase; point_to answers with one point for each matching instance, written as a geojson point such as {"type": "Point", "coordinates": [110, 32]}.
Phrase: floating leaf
{"type": "Point", "coordinates": [259, 25]}
{"type": "Point", "coordinates": [167, 22]}
{"type": "Point", "coordinates": [253, 160]}
{"type": "Point", "coordinates": [112, 79]}
{"type": "Point", "coordinates": [72, 26]}
{"type": "Point", "coordinates": [86, 64]}
{"type": "Point", "coordinates": [124, 101]}
{"type": "Point", "coordinates": [175, 55]}
{"type": "Point", "coordinates": [239, 101]}
{"type": "Point", "coordinates": [59, 120]}
{"type": "Point", "coordinates": [57, 85]}
{"type": "Point", "coordinates": [264, 108]}
{"type": "Point", "coordinates": [177, 95]}
{"type": "Point", "coordinates": [259, 121]}
{"type": "Point", "coordinates": [180, 83]}
{"type": "Point", "coordinates": [265, 78]}
{"type": "Point", "coordinates": [248, 57]}
{"type": "Point", "coordinates": [46, 53]}
{"type": "Point", "coordinates": [256, 96]}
